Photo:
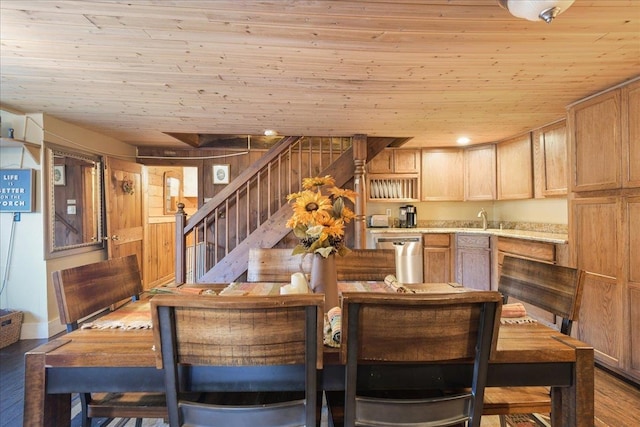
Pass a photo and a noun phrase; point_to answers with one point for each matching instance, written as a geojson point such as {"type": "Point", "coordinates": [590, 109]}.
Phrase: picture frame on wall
{"type": "Point", "coordinates": [220, 174]}
{"type": "Point", "coordinates": [59, 175]}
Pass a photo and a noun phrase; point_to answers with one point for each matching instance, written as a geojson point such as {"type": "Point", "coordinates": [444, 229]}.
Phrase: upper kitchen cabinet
{"type": "Point", "coordinates": [442, 175]}
{"type": "Point", "coordinates": [596, 143]}
{"type": "Point", "coordinates": [551, 172]}
{"type": "Point", "coordinates": [514, 168]}
{"type": "Point", "coordinates": [394, 176]}
{"type": "Point", "coordinates": [480, 173]}
{"type": "Point", "coordinates": [392, 160]}
{"type": "Point", "coordinates": [631, 135]}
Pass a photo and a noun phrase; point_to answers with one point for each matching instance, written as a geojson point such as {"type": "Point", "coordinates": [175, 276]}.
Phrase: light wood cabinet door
{"type": "Point", "coordinates": [406, 161]}
{"type": "Point", "coordinates": [597, 230]}
{"type": "Point", "coordinates": [473, 261]}
{"type": "Point", "coordinates": [442, 175]}
{"type": "Point", "coordinates": [631, 135]}
{"type": "Point", "coordinates": [382, 162]}
{"type": "Point", "coordinates": [515, 168]}
{"type": "Point", "coordinates": [437, 258]}
{"type": "Point", "coordinates": [595, 141]}
{"type": "Point", "coordinates": [551, 171]}
{"type": "Point", "coordinates": [632, 210]}
{"type": "Point", "coordinates": [480, 173]}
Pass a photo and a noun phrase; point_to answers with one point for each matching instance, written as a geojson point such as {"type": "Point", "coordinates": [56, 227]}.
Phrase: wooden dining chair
{"type": "Point", "coordinates": [277, 265]}
{"type": "Point", "coordinates": [552, 288]}
{"type": "Point", "coordinates": [392, 339]}
{"type": "Point", "coordinates": [268, 345]}
{"type": "Point", "coordinates": [86, 292]}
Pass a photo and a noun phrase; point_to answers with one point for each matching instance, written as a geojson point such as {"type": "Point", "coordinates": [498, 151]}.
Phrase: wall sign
{"type": "Point", "coordinates": [17, 190]}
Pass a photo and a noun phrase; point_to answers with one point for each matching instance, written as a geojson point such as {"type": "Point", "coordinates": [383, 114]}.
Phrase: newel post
{"type": "Point", "coordinates": [359, 143]}
{"type": "Point", "coordinates": [181, 242]}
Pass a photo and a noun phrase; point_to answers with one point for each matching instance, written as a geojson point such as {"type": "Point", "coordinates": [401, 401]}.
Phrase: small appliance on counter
{"type": "Point", "coordinates": [379, 221]}
{"type": "Point", "coordinates": [412, 216]}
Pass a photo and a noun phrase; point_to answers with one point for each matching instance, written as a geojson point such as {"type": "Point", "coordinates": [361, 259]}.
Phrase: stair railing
{"type": "Point", "coordinates": [249, 202]}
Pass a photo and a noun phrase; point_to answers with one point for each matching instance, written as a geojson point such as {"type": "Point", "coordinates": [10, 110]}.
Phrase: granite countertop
{"type": "Point", "coordinates": [560, 238]}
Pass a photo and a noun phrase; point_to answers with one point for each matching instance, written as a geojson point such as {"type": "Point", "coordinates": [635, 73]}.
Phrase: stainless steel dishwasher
{"type": "Point", "coordinates": [408, 247]}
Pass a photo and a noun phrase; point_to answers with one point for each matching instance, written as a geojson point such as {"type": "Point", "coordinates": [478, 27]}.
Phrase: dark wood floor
{"type": "Point", "coordinates": [617, 403]}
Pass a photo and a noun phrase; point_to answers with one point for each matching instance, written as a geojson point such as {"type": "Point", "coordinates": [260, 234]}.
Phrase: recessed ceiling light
{"type": "Point", "coordinates": [270, 132]}
{"type": "Point", "coordinates": [463, 140]}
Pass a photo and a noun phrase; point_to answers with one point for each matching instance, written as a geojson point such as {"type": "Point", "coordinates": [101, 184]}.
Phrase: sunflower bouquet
{"type": "Point", "coordinates": [319, 219]}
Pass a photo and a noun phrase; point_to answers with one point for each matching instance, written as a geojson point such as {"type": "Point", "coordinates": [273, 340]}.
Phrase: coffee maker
{"type": "Point", "coordinates": [412, 216]}
{"type": "Point", "coordinates": [408, 216]}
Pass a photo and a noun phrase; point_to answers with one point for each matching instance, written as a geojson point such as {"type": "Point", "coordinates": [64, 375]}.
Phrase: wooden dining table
{"type": "Point", "coordinates": [121, 360]}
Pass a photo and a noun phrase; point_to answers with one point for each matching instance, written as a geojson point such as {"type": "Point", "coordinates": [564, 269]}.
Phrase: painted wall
{"type": "Point", "coordinates": [548, 211]}
{"type": "Point", "coordinates": [28, 286]}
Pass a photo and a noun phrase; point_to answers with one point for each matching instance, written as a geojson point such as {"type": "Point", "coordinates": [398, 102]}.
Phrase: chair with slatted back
{"type": "Point", "coordinates": [267, 349]}
{"type": "Point", "coordinates": [86, 291]}
{"type": "Point", "coordinates": [391, 339]}
{"type": "Point", "coordinates": [277, 265]}
{"type": "Point", "coordinates": [552, 288]}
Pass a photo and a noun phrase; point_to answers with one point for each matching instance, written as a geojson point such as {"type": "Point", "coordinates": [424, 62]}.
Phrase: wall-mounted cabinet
{"type": "Point", "coordinates": [596, 143]}
{"type": "Point", "coordinates": [442, 175]}
{"type": "Point", "coordinates": [631, 135]}
{"type": "Point", "coordinates": [514, 168]}
{"type": "Point", "coordinates": [551, 171]}
{"type": "Point", "coordinates": [480, 173]}
{"type": "Point", "coordinates": [394, 160]}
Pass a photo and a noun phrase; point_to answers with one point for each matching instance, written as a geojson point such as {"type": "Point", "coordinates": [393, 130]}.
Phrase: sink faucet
{"type": "Point", "coordinates": [483, 214]}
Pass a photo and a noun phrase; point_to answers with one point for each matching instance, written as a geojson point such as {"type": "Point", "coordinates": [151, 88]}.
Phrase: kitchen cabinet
{"type": "Point", "coordinates": [631, 221]}
{"type": "Point", "coordinates": [596, 143]}
{"type": "Point", "coordinates": [480, 173]}
{"type": "Point", "coordinates": [604, 219]}
{"type": "Point", "coordinates": [631, 135]}
{"type": "Point", "coordinates": [597, 232]}
{"type": "Point", "coordinates": [550, 171]}
{"type": "Point", "coordinates": [394, 176]}
{"type": "Point", "coordinates": [442, 175]}
{"type": "Point", "coordinates": [473, 261]}
{"type": "Point", "coordinates": [514, 168]}
{"type": "Point", "coordinates": [437, 257]}
{"type": "Point", "coordinates": [392, 160]}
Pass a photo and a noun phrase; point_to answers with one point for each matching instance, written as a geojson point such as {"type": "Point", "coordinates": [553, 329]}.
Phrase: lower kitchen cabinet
{"type": "Point", "coordinates": [598, 234]}
{"type": "Point", "coordinates": [473, 261]}
{"type": "Point", "coordinates": [437, 257]}
{"type": "Point", "coordinates": [632, 246]}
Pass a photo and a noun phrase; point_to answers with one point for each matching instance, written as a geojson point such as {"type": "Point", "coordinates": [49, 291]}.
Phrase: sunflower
{"type": "Point", "coordinates": [319, 220]}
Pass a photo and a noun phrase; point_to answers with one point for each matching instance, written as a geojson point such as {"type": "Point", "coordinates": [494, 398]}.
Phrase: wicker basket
{"type": "Point", "coordinates": [10, 324]}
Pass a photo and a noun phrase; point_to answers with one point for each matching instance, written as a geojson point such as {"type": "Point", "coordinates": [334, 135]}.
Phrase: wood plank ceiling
{"type": "Point", "coordinates": [431, 70]}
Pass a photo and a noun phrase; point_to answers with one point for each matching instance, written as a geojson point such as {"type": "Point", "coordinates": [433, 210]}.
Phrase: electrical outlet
{"type": "Point", "coordinates": [388, 212]}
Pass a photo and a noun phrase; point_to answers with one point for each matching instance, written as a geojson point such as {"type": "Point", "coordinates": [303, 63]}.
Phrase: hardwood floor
{"type": "Point", "coordinates": [617, 403]}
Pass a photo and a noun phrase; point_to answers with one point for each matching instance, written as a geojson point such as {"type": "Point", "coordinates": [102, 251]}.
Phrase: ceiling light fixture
{"type": "Point", "coordinates": [535, 10]}
{"type": "Point", "coordinates": [270, 132]}
{"type": "Point", "coordinates": [463, 140]}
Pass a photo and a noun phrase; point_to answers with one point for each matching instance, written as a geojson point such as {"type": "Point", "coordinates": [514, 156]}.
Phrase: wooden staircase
{"type": "Point", "coordinates": [251, 212]}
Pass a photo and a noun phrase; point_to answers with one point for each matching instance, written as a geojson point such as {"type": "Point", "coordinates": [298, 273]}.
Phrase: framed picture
{"type": "Point", "coordinates": [59, 176]}
{"type": "Point", "coordinates": [220, 174]}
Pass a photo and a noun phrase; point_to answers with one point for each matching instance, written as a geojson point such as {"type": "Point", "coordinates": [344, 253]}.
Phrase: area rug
{"type": "Point", "coordinates": [528, 420]}
{"type": "Point", "coordinates": [76, 420]}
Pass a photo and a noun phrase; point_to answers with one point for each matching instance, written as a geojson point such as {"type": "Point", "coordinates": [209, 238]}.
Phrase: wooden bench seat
{"type": "Point", "coordinates": [82, 292]}
{"type": "Point", "coordinates": [277, 265]}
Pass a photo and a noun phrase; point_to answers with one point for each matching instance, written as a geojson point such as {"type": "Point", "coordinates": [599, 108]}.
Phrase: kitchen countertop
{"type": "Point", "coordinates": [517, 234]}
